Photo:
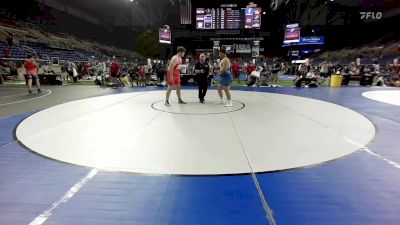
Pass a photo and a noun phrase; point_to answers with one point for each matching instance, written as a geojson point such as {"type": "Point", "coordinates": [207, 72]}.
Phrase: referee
{"type": "Point", "coordinates": [202, 70]}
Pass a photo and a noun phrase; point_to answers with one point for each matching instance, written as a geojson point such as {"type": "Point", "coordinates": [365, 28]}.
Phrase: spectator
{"type": "Point", "coordinates": [276, 68]}
{"type": "Point", "coordinates": [250, 68]}
{"type": "Point", "coordinates": [160, 71]}
{"type": "Point", "coordinates": [85, 69]}
{"type": "Point", "coordinates": [255, 76]}
{"type": "Point", "coordinates": [302, 72]}
{"type": "Point", "coordinates": [14, 70]}
{"type": "Point", "coordinates": [376, 68]}
{"type": "Point", "coordinates": [324, 69]}
{"type": "Point", "coordinates": [236, 71]}
{"type": "Point", "coordinates": [72, 71]}
{"type": "Point", "coordinates": [133, 74]}
{"type": "Point", "coordinates": [305, 67]}
{"type": "Point", "coordinates": [1, 74]}
{"type": "Point", "coordinates": [79, 70]}
{"type": "Point", "coordinates": [311, 79]}
{"type": "Point", "coordinates": [47, 69]}
{"type": "Point", "coordinates": [115, 70]}
{"type": "Point", "coordinates": [142, 76]}
{"type": "Point", "coordinates": [6, 52]}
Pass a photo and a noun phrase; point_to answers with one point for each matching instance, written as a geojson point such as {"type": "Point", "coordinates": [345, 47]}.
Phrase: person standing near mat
{"type": "Point", "coordinates": [202, 70]}
{"type": "Point", "coordinates": [276, 68]}
{"type": "Point", "coordinates": [225, 78]}
{"type": "Point", "coordinates": [32, 68]}
{"type": "Point", "coordinates": [174, 76]}
{"type": "Point", "coordinates": [115, 69]}
{"type": "Point", "coordinates": [236, 71]}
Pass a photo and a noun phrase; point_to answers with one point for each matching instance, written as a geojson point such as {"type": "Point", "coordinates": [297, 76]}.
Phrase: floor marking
{"type": "Point", "coordinates": [7, 96]}
{"type": "Point", "coordinates": [30, 99]}
{"type": "Point", "coordinates": [361, 146]}
{"type": "Point", "coordinates": [45, 215]}
{"type": "Point", "coordinates": [7, 88]}
{"type": "Point", "coordinates": [264, 201]}
{"type": "Point", "coordinates": [10, 143]}
{"type": "Point", "coordinates": [383, 158]}
{"type": "Point", "coordinates": [366, 149]}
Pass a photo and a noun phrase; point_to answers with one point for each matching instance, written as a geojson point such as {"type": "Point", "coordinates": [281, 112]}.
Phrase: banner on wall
{"type": "Point", "coordinates": [243, 48]}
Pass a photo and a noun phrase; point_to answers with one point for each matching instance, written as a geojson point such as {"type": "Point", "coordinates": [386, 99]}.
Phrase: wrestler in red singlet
{"type": "Point", "coordinates": [31, 72]}
{"type": "Point", "coordinates": [174, 81]}
{"type": "Point", "coordinates": [30, 67]}
{"type": "Point", "coordinates": [176, 75]}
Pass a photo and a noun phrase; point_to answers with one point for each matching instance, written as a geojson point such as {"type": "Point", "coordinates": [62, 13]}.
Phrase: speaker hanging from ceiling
{"type": "Point", "coordinates": [186, 11]}
{"type": "Point", "coordinates": [276, 4]}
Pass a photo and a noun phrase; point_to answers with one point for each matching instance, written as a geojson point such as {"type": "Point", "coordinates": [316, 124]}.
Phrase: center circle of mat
{"type": "Point", "coordinates": [193, 107]}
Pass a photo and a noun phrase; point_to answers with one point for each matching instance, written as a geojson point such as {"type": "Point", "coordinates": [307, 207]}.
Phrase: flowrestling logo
{"type": "Point", "coordinates": [371, 15]}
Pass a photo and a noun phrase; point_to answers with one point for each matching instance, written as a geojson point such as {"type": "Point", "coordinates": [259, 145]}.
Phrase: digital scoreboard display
{"type": "Point", "coordinates": [292, 33]}
{"type": "Point", "coordinates": [164, 35]}
{"type": "Point", "coordinates": [228, 18]}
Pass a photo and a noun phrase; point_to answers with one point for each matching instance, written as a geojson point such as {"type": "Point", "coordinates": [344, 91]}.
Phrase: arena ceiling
{"type": "Point", "coordinates": [324, 17]}
{"type": "Point", "coordinates": [126, 13]}
{"type": "Point", "coordinates": [154, 13]}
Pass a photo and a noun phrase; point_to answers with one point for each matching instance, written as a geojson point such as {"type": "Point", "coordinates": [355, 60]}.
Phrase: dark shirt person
{"type": "Point", "coordinates": [202, 70]}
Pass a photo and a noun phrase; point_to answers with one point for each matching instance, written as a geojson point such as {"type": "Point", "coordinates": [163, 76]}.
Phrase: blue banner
{"type": "Point", "coordinates": [312, 40]}
{"type": "Point", "coordinates": [309, 40]}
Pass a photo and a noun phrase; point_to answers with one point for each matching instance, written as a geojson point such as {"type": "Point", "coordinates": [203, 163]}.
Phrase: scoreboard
{"type": "Point", "coordinates": [228, 18]}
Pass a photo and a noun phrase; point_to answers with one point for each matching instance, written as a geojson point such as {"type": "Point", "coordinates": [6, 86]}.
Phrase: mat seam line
{"type": "Point", "coordinates": [264, 201]}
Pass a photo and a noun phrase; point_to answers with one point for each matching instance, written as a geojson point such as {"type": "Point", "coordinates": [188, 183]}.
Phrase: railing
{"type": "Point", "coordinates": [80, 54]}
{"type": "Point", "coordinates": [45, 57]}
{"type": "Point", "coordinates": [28, 49]}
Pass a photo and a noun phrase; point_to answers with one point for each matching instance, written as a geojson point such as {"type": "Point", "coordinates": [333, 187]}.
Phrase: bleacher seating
{"type": "Point", "coordinates": [367, 61]}
{"type": "Point", "coordinates": [48, 43]}
{"type": "Point", "coordinates": [344, 62]}
{"type": "Point", "coordinates": [92, 55]}
{"type": "Point", "coordinates": [44, 49]}
{"type": "Point", "coordinates": [269, 61]}
{"type": "Point", "coordinates": [317, 60]}
{"type": "Point", "coordinates": [15, 51]}
{"type": "Point", "coordinates": [387, 59]}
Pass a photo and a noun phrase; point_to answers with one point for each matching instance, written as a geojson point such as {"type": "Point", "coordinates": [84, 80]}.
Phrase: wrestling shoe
{"type": "Point", "coordinates": [229, 104]}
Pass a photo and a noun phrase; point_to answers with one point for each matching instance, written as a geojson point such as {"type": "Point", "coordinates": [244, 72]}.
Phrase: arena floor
{"type": "Point", "coordinates": [91, 155]}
